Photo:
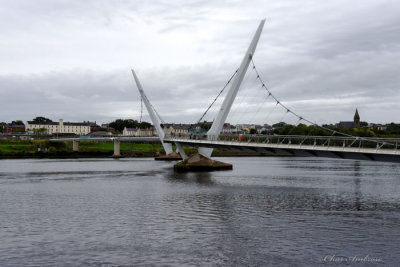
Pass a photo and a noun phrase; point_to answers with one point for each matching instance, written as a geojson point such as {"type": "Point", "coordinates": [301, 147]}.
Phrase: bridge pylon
{"type": "Point", "coordinates": [170, 154]}
{"type": "Point", "coordinates": [202, 159]}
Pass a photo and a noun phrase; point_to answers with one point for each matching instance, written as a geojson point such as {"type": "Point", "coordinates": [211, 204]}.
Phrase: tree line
{"type": "Point", "coordinates": [392, 130]}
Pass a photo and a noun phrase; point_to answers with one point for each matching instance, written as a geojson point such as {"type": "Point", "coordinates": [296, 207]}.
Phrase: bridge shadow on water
{"type": "Point", "coordinates": [201, 178]}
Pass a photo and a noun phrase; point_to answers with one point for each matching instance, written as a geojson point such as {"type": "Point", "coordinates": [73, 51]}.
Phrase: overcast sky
{"type": "Point", "coordinates": [71, 59]}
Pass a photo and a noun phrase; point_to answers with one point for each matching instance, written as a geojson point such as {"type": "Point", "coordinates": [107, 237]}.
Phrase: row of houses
{"type": "Point", "coordinates": [176, 129]}
{"type": "Point", "coordinates": [50, 128]}
{"type": "Point", "coordinates": [173, 129]}
{"type": "Point", "coordinates": [78, 128]}
{"type": "Point", "coordinates": [87, 127]}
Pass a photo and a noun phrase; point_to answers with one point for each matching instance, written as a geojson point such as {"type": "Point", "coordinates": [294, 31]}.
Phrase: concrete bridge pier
{"type": "Point", "coordinates": [117, 148]}
{"type": "Point", "coordinates": [75, 145]}
{"type": "Point", "coordinates": [199, 162]}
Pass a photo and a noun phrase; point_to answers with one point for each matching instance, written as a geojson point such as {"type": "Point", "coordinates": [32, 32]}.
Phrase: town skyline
{"type": "Point", "coordinates": [45, 125]}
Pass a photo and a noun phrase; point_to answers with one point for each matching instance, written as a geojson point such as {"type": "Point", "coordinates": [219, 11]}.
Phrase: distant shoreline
{"type": "Point", "coordinates": [36, 149]}
{"type": "Point", "coordinates": [109, 154]}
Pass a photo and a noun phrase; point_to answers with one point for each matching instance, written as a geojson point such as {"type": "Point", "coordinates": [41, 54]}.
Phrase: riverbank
{"type": "Point", "coordinates": [105, 154]}
{"type": "Point", "coordinates": [22, 149]}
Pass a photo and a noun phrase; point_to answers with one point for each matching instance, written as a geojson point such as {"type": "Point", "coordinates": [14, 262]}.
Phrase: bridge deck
{"type": "Point", "coordinates": [390, 155]}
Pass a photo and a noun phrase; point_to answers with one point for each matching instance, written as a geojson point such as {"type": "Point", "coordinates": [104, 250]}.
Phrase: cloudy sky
{"type": "Point", "coordinates": [71, 59]}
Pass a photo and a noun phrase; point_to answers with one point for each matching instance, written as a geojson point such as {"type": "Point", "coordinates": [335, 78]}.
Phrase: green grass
{"type": "Point", "coordinates": [33, 145]}
{"type": "Point", "coordinates": [29, 148]}
{"type": "Point", "coordinates": [108, 146]}
{"type": "Point", "coordinates": [16, 147]}
{"type": "Point", "coordinates": [19, 145]}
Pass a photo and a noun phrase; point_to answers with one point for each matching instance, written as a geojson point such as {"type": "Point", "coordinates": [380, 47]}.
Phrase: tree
{"type": "Point", "coordinates": [145, 125]}
{"type": "Point", "coordinates": [2, 126]}
{"type": "Point", "coordinates": [279, 125]}
{"type": "Point", "coordinates": [393, 128]}
{"type": "Point", "coordinates": [253, 131]}
{"type": "Point", "coordinates": [120, 124]}
{"type": "Point", "coordinates": [205, 125]}
{"type": "Point", "coordinates": [17, 122]}
{"type": "Point", "coordinates": [42, 120]}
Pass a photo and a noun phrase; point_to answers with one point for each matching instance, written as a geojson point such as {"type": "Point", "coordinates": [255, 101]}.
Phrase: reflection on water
{"type": "Point", "coordinates": [201, 178]}
{"type": "Point", "coordinates": [357, 189]}
{"type": "Point", "coordinates": [266, 211]}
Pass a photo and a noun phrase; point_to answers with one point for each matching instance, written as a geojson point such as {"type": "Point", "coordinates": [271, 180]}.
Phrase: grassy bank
{"type": "Point", "coordinates": [45, 149]}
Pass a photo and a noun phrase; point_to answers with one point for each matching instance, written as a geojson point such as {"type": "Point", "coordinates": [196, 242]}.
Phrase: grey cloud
{"type": "Point", "coordinates": [322, 59]}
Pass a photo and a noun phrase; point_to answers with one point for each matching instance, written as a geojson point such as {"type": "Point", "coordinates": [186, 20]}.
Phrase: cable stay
{"type": "Point", "coordinates": [230, 79]}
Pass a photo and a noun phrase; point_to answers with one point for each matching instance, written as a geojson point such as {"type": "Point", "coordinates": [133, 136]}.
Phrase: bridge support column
{"type": "Point", "coordinates": [75, 145]}
{"type": "Point", "coordinates": [117, 148]}
{"type": "Point", "coordinates": [181, 151]}
{"type": "Point", "coordinates": [198, 162]}
{"type": "Point", "coordinates": [169, 157]}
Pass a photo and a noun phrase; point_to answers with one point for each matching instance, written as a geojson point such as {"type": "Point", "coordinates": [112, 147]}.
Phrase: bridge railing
{"type": "Point", "coordinates": [300, 140]}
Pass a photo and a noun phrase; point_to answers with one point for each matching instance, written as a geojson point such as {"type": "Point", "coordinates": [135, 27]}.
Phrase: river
{"type": "Point", "coordinates": [267, 211]}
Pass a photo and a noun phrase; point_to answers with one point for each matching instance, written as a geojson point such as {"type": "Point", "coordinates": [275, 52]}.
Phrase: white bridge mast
{"type": "Point", "coordinates": [219, 121]}
{"type": "Point", "coordinates": [157, 123]}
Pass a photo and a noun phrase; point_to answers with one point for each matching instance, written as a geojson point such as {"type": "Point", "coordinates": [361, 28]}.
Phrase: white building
{"type": "Point", "coordinates": [138, 132]}
{"type": "Point", "coordinates": [129, 131]}
{"type": "Point", "coordinates": [228, 129]}
{"type": "Point", "coordinates": [177, 129]}
{"type": "Point", "coordinates": [78, 128]}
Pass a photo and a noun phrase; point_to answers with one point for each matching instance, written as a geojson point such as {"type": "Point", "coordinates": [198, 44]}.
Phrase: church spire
{"type": "Point", "coordinates": [356, 119]}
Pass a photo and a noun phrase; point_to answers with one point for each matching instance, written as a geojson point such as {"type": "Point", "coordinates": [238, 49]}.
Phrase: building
{"type": "Point", "coordinates": [350, 124]}
{"type": "Point", "coordinates": [138, 132]}
{"type": "Point", "coordinates": [129, 131]}
{"type": "Point", "coordinates": [228, 129]}
{"type": "Point", "coordinates": [356, 120]}
{"type": "Point", "coordinates": [176, 129]}
{"type": "Point", "coordinates": [14, 128]}
{"type": "Point", "coordinates": [379, 127]}
{"type": "Point", "coordinates": [107, 127]}
{"type": "Point", "coordinates": [94, 127]}
{"type": "Point", "coordinates": [181, 129]}
{"type": "Point", "coordinates": [78, 128]}
{"type": "Point", "coordinates": [345, 124]}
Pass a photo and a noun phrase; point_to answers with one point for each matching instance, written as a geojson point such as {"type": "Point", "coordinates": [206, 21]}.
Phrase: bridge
{"type": "Point", "coordinates": [298, 145]}
{"type": "Point", "coordinates": [337, 145]}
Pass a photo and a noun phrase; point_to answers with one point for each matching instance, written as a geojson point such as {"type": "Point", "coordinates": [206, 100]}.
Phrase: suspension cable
{"type": "Point", "coordinates": [230, 79]}
{"type": "Point", "coordinates": [141, 109]}
{"type": "Point", "coordinates": [304, 119]}
{"type": "Point", "coordinates": [240, 105]}
{"type": "Point", "coordinates": [158, 115]}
